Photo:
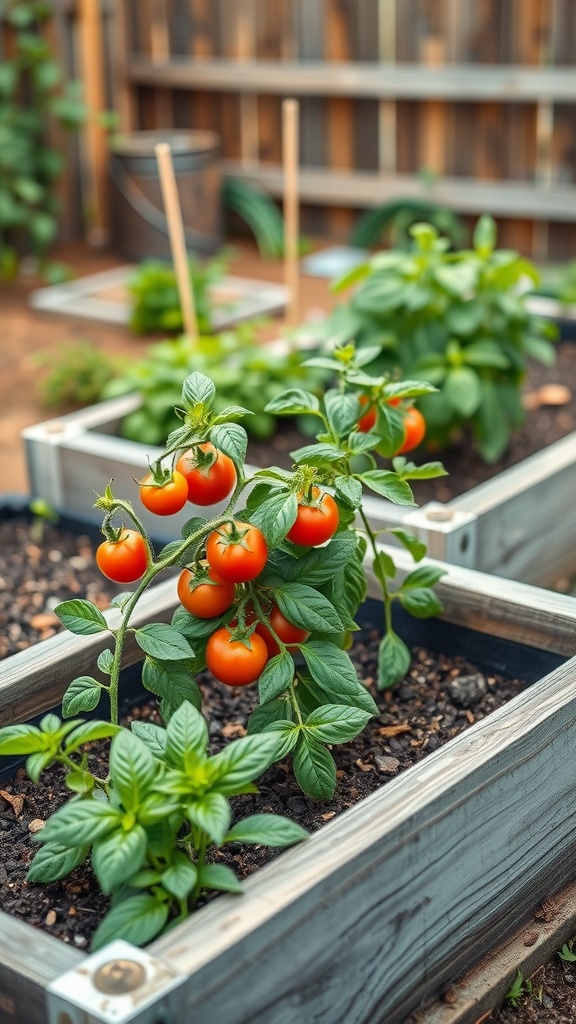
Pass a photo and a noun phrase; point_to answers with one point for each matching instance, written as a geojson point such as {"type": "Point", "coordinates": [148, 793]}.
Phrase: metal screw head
{"type": "Point", "coordinates": [440, 515]}
{"type": "Point", "coordinates": [118, 977]}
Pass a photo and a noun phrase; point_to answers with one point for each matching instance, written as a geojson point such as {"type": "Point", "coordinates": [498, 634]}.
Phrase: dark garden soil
{"type": "Point", "coordinates": [552, 999]}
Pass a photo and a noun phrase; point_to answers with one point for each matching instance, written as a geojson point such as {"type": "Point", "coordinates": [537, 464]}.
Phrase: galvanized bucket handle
{"type": "Point", "coordinates": [152, 215]}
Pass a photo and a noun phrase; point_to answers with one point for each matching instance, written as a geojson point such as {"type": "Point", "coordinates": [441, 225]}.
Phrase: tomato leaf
{"type": "Point", "coordinates": [393, 660]}
{"type": "Point", "coordinates": [314, 768]}
{"type": "Point", "coordinates": [293, 402]}
{"type": "Point", "coordinates": [83, 694]}
{"type": "Point", "coordinates": [318, 454]}
{"type": "Point", "coordinates": [423, 576]}
{"type": "Point", "coordinates": [421, 602]}
{"type": "Point", "coordinates": [171, 679]}
{"type": "Point", "coordinates": [105, 661]}
{"type": "Point", "coordinates": [342, 412]}
{"type": "Point", "coordinates": [266, 714]}
{"type": "Point", "coordinates": [232, 439]}
{"type": "Point", "coordinates": [336, 723]}
{"type": "Point", "coordinates": [320, 564]}
{"type": "Point", "coordinates": [266, 830]}
{"type": "Point", "coordinates": [305, 607]}
{"type": "Point", "coordinates": [348, 490]}
{"type": "Point", "coordinates": [198, 389]}
{"type": "Point", "coordinates": [336, 677]}
{"type": "Point", "coordinates": [275, 516]}
{"type": "Point", "coordinates": [136, 919]}
{"type": "Point", "coordinates": [389, 485]}
{"type": "Point", "coordinates": [81, 617]}
{"type": "Point", "coordinates": [276, 677]}
{"type": "Point", "coordinates": [162, 641]}
{"type": "Point", "coordinates": [416, 547]}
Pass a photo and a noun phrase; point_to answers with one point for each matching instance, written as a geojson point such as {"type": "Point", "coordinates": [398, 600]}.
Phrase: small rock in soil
{"type": "Point", "coordinates": [467, 691]}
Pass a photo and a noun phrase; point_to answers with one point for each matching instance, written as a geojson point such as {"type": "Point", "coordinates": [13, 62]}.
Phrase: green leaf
{"type": "Point", "coordinates": [486, 352]}
{"type": "Point", "coordinates": [211, 813]}
{"type": "Point", "coordinates": [276, 677]}
{"type": "Point", "coordinates": [429, 471]}
{"type": "Point", "coordinates": [80, 822]}
{"type": "Point", "coordinates": [321, 564]}
{"type": "Point", "coordinates": [342, 412]}
{"type": "Point", "coordinates": [198, 389]}
{"type": "Point", "coordinates": [133, 769]}
{"type": "Point", "coordinates": [318, 454]}
{"type": "Point", "coordinates": [192, 628]}
{"type": "Point", "coordinates": [232, 439]}
{"type": "Point", "coordinates": [306, 608]}
{"type": "Point", "coordinates": [186, 737]}
{"type": "Point", "coordinates": [266, 830]}
{"type": "Point", "coordinates": [180, 878]}
{"type": "Point", "coordinates": [461, 390]}
{"type": "Point", "coordinates": [36, 763]}
{"type": "Point", "coordinates": [421, 602]}
{"type": "Point", "coordinates": [314, 768]}
{"type": "Point", "coordinates": [349, 491]}
{"type": "Point", "coordinates": [334, 673]}
{"type": "Point", "coordinates": [241, 762]}
{"type": "Point", "coordinates": [384, 567]}
{"type": "Point", "coordinates": [53, 861]}
{"type": "Point", "coordinates": [393, 660]}
{"type": "Point", "coordinates": [539, 349]}
{"type": "Point", "coordinates": [83, 694]}
{"type": "Point", "coordinates": [173, 680]}
{"type": "Point", "coordinates": [218, 876]}
{"type": "Point", "coordinates": [81, 617]}
{"type": "Point", "coordinates": [389, 485]}
{"type": "Point", "coordinates": [286, 734]}
{"type": "Point", "coordinates": [137, 919]}
{"type": "Point", "coordinates": [416, 547]}
{"type": "Point", "coordinates": [22, 739]}
{"type": "Point", "coordinates": [121, 600]}
{"type": "Point", "coordinates": [293, 402]}
{"type": "Point", "coordinates": [105, 661]}
{"type": "Point", "coordinates": [484, 237]}
{"type": "Point", "coordinates": [267, 714]}
{"type": "Point", "coordinates": [275, 516]}
{"type": "Point", "coordinates": [359, 443]}
{"type": "Point", "coordinates": [162, 641]}
{"type": "Point", "coordinates": [458, 279]}
{"type": "Point", "coordinates": [87, 732]}
{"type": "Point", "coordinates": [154, 736]}
{"type": "Point", "coordinates": [390, 429]}
{"type": "Point", "coordinates": [336, 723]}
{"type": "Point", "coordinates": [118, 856]}
{"type": "Point", "coordinates": [423, 576]}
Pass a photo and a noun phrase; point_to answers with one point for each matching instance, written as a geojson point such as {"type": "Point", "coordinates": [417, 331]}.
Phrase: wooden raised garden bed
{"type": "Point", "coordinates": [369, 918]}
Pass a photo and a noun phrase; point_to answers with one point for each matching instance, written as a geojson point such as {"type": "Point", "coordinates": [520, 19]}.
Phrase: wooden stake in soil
{"type": "Point", "coordinates": [290, 119]}
{"type": "Point", "coordinates": [176, 234]}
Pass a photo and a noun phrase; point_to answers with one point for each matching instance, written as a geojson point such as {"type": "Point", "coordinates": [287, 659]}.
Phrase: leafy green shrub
{"type": "Point", "coordinates": [155, 299]}
{"type": "Point", "coordinates": [79, 373]}
{"type": "Point", "coordinates": [456, 319]}
{"type": "Point", "coordinates": [31, 93]}
{"type": "Point", "coordinates": [245, 373]}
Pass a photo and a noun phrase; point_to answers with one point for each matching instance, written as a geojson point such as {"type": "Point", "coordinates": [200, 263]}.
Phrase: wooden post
{"type": "Point", "coordinates": [160, 52]}
{"type": "Point", "coordinates": [177, 242]}
{"type": "Point", "coordinates": [290, 112]}
{"type": "Point", "coordinates": [92, 51]}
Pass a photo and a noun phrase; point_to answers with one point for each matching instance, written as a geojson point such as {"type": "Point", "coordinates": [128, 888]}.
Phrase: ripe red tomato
{"type": "Point", "coordinates": [233, 662]}
{"type": "Point", "coordinates": [285, 630]}
{"type": "Point", "coordinates": [414, 430]}
{"type": "Point", "coordinates": [368, 420]}
{"type": "Point", "coordinates": [207, 484]}
{"type": "Point", "coordinates": [123, 560]}
{"type": "Point", "coordinates": [206, 599]}
{"type": "Point", "coordinates": [237, 552]}
{"type": "Point", "coordinates": [164, 499]}
{"type": "Point", "coordinates": [316, 521]}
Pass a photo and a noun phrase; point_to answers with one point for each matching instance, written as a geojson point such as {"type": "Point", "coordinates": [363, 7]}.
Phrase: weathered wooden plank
{"type": "Point", "coordinates": [362, 79]}
{"type": "Point", "coordinates": [364, 188]}
{"type": "Point", "coordinates": [29, 961]}
{"type": "Point", "coordinates": [378, 910]}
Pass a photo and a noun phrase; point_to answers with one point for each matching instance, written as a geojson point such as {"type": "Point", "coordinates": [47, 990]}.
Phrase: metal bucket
{"type": "Point", "coordinates": [138, 225]}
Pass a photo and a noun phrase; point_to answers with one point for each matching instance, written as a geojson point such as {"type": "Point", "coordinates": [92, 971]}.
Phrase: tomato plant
{"type": "Point", "coordinates": [368, 420]}
{"type": "Point", "coordinates": [236, 662]}
{"type": "Point", "coordinates": [123, 558]}
{"type": "Point", "coordinates": [279, 628]}
{"type": "Point", "coordinates": [165, 497]}
{"type": "Point", "coordinates": [203, 593]}
{"type": "Point", "coordinates": [316, 519]}
{"type": "Point", "coordinates": [414, 430]}
{"type": "Point", "coordinates": [237, 551]}
{"type": "Point", "coordinates": [210, 474]}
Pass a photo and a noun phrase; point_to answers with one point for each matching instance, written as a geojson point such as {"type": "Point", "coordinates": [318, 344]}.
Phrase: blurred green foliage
{"type": "Point", "coordinates": [154, 293]}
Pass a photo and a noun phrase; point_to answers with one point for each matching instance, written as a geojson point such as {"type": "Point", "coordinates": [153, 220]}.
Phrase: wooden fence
{"type": "Point", "coordinates": [468, 103]}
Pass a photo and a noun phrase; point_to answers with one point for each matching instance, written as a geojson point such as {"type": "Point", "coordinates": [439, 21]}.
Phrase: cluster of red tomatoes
{"type": "Point", "coordinates": [236, 553]}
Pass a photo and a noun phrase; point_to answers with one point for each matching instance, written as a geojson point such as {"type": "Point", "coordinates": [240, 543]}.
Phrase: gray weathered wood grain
{"type": "Point", "coordinates": [29, 961]}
